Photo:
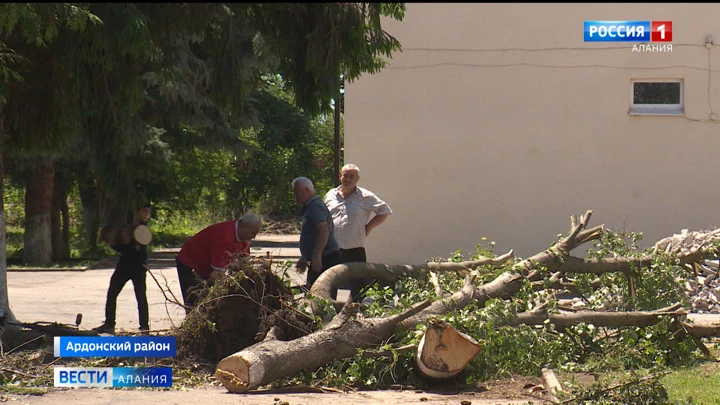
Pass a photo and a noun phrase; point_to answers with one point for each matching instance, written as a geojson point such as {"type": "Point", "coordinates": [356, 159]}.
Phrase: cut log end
{"type": "Point", "coordinates": [234, 374]}
{"type": "Point", "coordinates": [443, 351]}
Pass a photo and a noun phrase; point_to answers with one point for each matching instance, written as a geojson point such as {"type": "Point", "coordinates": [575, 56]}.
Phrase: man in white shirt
{"type": "Point", "coordinates": [355, 211]}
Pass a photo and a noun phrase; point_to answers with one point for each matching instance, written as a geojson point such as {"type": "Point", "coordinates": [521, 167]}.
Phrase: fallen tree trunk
{"type": "Point", "coordinates": [700, 330]}
{"type": "Point", "coordinates": [272, 359]}
{"type": "Point", "coordinates": [341, 274]}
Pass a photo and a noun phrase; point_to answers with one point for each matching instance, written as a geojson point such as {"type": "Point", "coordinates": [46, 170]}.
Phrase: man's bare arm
{"type": "Point", "coordinates": [375, 222]}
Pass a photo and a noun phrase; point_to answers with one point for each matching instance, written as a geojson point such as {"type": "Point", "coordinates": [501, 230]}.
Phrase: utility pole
{"type": "Point", "coordinates": [337, 110]}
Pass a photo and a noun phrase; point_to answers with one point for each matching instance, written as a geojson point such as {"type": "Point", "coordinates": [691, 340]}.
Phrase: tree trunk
{"type": "Point", "coordinates": [699, 330]}
{"type": "Point", "coordinates": [65, 214]}
{"type": "Point", "coordinates": [90, 209]}
{"type": "Point", "coordinates": [60, 222]}
{"type": "Point", "coordinates": [272, 359]}
{"type": "Point", "coordinates": [37, 247]}
{"type": "Point", "coordinates": [98, 210]}
{"type": "Point", "coordinates": [341, 274]}
{"type": "Point", "coordinates": [4, 301]}
{"type": "Point", "coordinates": [7, 331]}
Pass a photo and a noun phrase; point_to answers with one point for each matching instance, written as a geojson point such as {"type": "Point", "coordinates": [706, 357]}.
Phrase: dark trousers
{"type": "Point", "coordinates": [356, 285]}
{"type": "Point", "coordinates": [120, 277]}
{"type": "Point", "coordinates": [187, 281]}
{"type": "Point", "coordinates": [328, 261]}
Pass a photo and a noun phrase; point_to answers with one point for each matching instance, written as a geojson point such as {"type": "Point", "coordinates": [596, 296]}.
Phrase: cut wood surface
{"type": "Point", "coordinates": [443, 351]}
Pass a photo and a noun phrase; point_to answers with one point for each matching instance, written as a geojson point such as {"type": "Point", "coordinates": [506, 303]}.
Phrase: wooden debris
{"type": "Point", "coordinates": [443, 351]}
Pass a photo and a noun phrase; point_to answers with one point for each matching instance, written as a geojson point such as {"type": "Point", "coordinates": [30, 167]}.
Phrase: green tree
{"type": "Point", "coordinates": [316, 43]}
{"type": "Point", "coordinates": [37, 116]}
{"type": "Point", "coordinates": [290, 143]}
{"type": "Point", "coordinates": [208, 99]}
{"type": "Point", "coordinates": [131, 82]}
{"type": "Point", "coordinates": [29, 27]}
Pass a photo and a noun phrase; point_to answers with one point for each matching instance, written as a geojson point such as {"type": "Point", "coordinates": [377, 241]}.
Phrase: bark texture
{"type": "Point", "coordinates": [272, 359]}
{"type": "Point", "coordinates": [37, 246]}
{"type": "Point", "coordinates": [60, 221]}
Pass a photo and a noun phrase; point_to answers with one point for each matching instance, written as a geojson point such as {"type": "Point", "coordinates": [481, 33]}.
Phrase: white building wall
{"type": "Point", "coordinates": [471, 133]}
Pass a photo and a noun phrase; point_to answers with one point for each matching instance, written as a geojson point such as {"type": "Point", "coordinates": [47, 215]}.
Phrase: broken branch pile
{"type": "Point", "coordinates": [271, 359]}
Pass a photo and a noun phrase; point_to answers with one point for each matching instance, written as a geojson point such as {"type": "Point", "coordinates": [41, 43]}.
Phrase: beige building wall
{"type": "Point", "coordinates": [497, 120]}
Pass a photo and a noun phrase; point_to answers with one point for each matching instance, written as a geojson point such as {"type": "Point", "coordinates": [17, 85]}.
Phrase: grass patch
{"type": "Point", "coordinates": [170, 238]}
{"type": "Point", "coordinates": [165, 235]}
{"type": "Point", "coordinates": [696, 385]}
{"type": "Point", "coordinates": [14, 241]}
{"type": "Point", "coordinates": [71, 263]}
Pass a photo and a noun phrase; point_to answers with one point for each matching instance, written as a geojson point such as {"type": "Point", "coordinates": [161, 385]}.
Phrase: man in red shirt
{"type": "Point", "coordinates": [210, 250]}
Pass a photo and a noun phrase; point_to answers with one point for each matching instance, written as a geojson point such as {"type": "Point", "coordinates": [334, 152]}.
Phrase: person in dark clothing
{"type": "Point", "coordinates": [318, 248]}
{"type": "Point", "coordinates": [130, 267]}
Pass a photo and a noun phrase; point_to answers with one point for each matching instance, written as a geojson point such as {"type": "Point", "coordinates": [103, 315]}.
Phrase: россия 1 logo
{"type": "Point", "coordinates": [631, 31]}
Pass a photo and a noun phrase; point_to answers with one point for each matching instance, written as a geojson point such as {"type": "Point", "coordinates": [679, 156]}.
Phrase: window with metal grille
{"type": "Point", "coordinates": [657, 97]}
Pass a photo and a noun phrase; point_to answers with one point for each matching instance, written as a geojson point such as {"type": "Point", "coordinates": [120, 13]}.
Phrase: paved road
{"type": "Point", "coordinates": [58, 296]}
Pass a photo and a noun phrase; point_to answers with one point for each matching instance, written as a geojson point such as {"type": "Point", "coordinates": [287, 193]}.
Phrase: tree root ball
{"type": "Point", "coordinates": [238, 310]}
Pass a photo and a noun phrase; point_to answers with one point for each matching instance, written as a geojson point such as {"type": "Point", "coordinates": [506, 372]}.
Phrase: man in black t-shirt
{"type": "Point", "coordinates": [130, 266]}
